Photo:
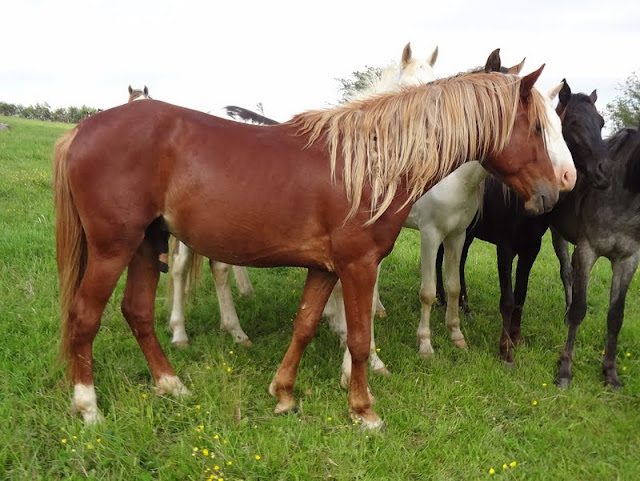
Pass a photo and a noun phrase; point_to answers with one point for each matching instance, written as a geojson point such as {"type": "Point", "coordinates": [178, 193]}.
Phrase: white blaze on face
{"type": "Point", "coordinates": [561, 159]}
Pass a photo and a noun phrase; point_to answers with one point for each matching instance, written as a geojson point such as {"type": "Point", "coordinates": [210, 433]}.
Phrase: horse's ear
{"type": "Point", "coordinates": [434, 57]}
{"type": "Point", "coordinates": [406, 55]}
{"type": "Point", "coordinates": [593, 97]}
{"type": "Point", "coordinates": [146, 91]}
{"type": "Point", "coordinates": [555, 91]}
{"type": "Point", "coordinates": [130, 90]}
{"type": "Point", "coordinates": [527, 83]}
{"type": "Point", "coordinates": [565, 93]}
{"type": "Point", "coordinates": [493, 62]}
{"type": "Point", "coordinates": [516, 69]}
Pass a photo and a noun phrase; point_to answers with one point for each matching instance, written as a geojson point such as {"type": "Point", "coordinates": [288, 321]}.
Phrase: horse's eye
{"type": "Point", "coordinates": [538, 129]}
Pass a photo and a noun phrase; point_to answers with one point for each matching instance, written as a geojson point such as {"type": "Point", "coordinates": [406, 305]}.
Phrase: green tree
{"type": "Point", "coordinates": [624, 111]}
{"type": "Point", "coordinates": [358, 80]}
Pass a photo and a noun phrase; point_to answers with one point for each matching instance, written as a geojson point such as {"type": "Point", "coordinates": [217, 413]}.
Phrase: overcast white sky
{"type": "Point", "coordinates": [287, 54]}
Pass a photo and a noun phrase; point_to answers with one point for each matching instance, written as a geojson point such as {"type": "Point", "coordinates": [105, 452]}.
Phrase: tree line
{"type": "Point", "coordinates": [70, 115]}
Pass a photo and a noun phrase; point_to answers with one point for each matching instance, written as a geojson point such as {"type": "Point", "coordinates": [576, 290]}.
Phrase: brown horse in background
{"type": "Point", "coordinates": [328, 190]}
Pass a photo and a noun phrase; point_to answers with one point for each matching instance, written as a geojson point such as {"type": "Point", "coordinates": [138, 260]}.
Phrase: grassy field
{"type": "Point", "coordinates": [454, 417]}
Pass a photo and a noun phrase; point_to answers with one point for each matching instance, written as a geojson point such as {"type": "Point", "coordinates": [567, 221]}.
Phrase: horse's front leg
{"type": "Point", "coordinates": [358, 281]}
{"type": "Point", "coordinates": [525, 263]}
{"type": "Point", "coordinates": [584, 257]}
{"type": "Point", "coordinates": [453, 251]}
{"type": "Point", "coordinates": [317, 288]}
{"type": "Point", "coordinates": [505, 266]}
{"type": "Point", "coordinates": [428, 251]}
{"type": "Point", "coordinates": [561, 248]}
{"type": "Point", "coordinates": [623, 272]}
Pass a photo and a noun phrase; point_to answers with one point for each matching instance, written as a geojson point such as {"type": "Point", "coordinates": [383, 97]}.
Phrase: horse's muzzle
{"type": "Point", "coordinates": [543, 200]}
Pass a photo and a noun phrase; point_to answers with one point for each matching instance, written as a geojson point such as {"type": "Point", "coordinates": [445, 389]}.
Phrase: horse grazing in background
{"type": "Point", "coordinates": [410, 71]}
{"type": "Point", "coordinates": [505, 223]}
{"type": "Point", "coordinates": [137, 94]}
{"type": "Point", "coordinates": [601, 222]}
{"type": "Point", "coordinates": [340, 184]}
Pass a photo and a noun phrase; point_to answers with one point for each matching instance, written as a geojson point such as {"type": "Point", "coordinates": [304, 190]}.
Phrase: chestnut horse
{"type": "Point", "coordinates": [340, 184]}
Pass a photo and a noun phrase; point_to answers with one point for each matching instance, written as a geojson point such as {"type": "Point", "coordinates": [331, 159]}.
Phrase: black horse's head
{"type": "Point", "coordinates": [582, 131]}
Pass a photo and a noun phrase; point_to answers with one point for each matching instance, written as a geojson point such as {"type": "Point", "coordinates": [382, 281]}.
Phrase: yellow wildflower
{"type": "Point", "coordinates": [258, 458]}
{"type": "Point", "coordinates": [534, 403]}
{"type": "Point", "coordinates": [492, 471]}
{"type": "Point", "coordinates": [205, 452]}
{"type": "Point", "coordinates": [513, 464]}
{"type": "Point", "coordinates": [229, 463]}
{"type": "Point", "coordinates": [216, 468]}
{"type": "Point", "coordinates": [505, 467]}
{"type": "Point", "coordinates": [89, 446]}
{"type": "Point", "coordinates": [63, 441]}
{"type": "Point", "coordinates": [98, 440]}
{"type": "Point", "coordinates": [628, 354]}
{"type": "Point", "coordinates": [198, 406]}
{"type": "Point", "coordinates": [228, 369]}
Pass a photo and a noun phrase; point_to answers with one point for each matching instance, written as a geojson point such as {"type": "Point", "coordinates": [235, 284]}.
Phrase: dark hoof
{"type": "Point", "coordinates": [163, 266]}
{"type": "Point", "coordinates": [510, 364]}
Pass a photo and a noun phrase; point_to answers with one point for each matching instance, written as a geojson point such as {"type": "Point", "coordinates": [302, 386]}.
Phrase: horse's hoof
{"type": "Point", "coordinates": [286, 407]}
{"type": "Point", "coordinates": [180, 344]}
{"type": "Point", "coordinates": [171, 385]}
{"type": "Point", "coordinates": [426, 351]}
{"type": "Point", "coordinates": [510, 365]}
{"type": "Point", "coordinates": [246, 343]}
{"type": "Point", "coordinates": [562, 383]}
{"type": "Point", "coordinates": [381, 313]}
{"type": "Point", "coordinates": [461, 344]}
{"type": "Point", "coordinates": [369, 422]}
{"type": "Point", "coordinates": [382, 371]}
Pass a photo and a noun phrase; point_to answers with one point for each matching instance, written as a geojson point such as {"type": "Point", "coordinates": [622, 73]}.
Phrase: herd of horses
{"type": "Point", "coordinates": [479, 154]}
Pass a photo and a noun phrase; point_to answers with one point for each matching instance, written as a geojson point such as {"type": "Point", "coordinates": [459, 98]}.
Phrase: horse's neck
{"type": "Point", "coordinates": [469, 175]}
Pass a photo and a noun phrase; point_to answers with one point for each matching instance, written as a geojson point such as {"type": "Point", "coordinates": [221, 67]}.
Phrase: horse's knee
{"type": "Point", "coordinates": [428, 294]}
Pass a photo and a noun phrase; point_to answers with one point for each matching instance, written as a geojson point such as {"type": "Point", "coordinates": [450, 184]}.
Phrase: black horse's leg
{"type": "Point", "coordinates": [584, 257]}
{"type": "Point", "coordinates": [505, 266]}
{"type": "Point", "coordinates": [561, 246]}
{"type": "Point", "coordinates": [623, 271]}
{"type": "Point", "coordinates": [464, 298]}
{"type": "Point", "coordinates": [440, 294]}
{"type": "Point", "coordinates": [525, 263]}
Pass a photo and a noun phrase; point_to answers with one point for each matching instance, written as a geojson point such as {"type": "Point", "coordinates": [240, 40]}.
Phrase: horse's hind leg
{"type": "Point", "coordinates": [138, 307]}
{"type": "Point", "coordinates": [242, 281]}
{"type": "Point", "coordinates": [85, 311]}
{"type": "Point", "coordinates": [228, 316]}
{"type": "Point", "coordinates": [179, 272]}
{"type": "Point", "coordinates": [316, 292]}
{"type": "Point", "coordinates": [623, 272]}
{"type": "Point", "coordinates": [584, 257]}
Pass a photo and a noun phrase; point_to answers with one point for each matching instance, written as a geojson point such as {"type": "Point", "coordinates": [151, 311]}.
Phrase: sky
{"type": "Point", "coordinates": [287, 54]}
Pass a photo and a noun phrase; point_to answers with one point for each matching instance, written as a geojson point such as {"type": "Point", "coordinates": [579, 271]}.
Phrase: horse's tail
{"type": "Point", "coordinates": [193, 269]}
{"type": "Point", "coordinates": [71, 244]}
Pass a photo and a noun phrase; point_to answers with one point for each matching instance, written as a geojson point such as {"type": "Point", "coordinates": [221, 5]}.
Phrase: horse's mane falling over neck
{"type": "Point", "coordinates": [418, 135]}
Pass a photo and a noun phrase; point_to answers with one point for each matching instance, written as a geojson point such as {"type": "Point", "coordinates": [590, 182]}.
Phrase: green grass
{"type": "Point", "coordinates": [450, 418]}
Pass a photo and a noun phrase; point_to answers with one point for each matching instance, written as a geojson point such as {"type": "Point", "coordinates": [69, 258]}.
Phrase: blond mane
{"type": "Point", "coordinates": [419, 134]}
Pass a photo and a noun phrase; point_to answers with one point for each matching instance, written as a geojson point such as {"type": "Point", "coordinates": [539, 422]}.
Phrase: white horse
{"type": "Point", "coordinates": [442, 216]}
{"type": "Point", "coordinates": [410, 71]}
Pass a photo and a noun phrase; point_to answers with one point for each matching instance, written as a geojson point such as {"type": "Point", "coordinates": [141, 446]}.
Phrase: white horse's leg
{"type": "Point", "coordinates": [228, 316]}
{"type": "Point", "coordinates": [179, 273]}
{"type": "Point", "coordinates": [428, 252]}
{"type": "Point", "coordinates": [453, 251]}
{"type": "Point", "coordinates": [242, 281]}
{"type": "Point", "coordinates": [379, 309]}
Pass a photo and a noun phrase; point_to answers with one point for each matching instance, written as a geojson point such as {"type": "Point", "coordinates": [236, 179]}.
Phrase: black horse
{"type": "Point", "coordinates": [504, 223]}
{"type": "Point", "coordinates": [601, 223]}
